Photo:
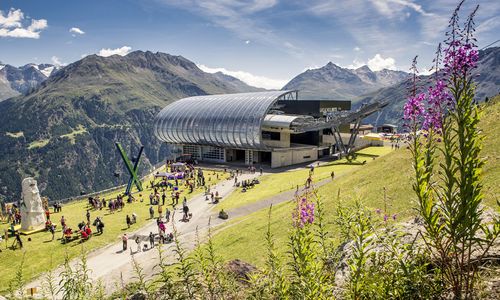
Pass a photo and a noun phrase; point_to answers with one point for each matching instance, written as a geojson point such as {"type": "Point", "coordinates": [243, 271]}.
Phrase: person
{"type": "Point", "coordinates": [134, 218]}
{"type": "Point", "coordinates": [100, 225]}
{"type": "Point", "coordinates": [52, 230]}
{"type": "Point", "coordinates": [138, 242]}
{"type": "Point", "coordinates": [160, 210]}
{"type": "Point", "coordinates": [185, 209]}
{"type": "Point", "coordinates": [63, 222]}
{"type": "Point", "coordinates": [184, 202]}
{"type": "Point", "coordinates": [167, 215]}
{"type": "Point", "coordinates": [125, 241]}
{"type": "Point", "coordinates": [151, 212]}
{"type": "Point", "coordinates": [127, 219]}
{"type": "Point", "coordinates": [47, 214]}
{"type": "Point", "coordinates": [163, 197]}
{"type": "Point", "coordinates": [260, 169]}
{"type": "Point", "coordinates": [332, 175]}
{"type": "Point", "coordinates": [18, 240]}
{"type": "Point", "coordinates": [151, 239]}
{"type": "Point", "coordinates": [88, 216]}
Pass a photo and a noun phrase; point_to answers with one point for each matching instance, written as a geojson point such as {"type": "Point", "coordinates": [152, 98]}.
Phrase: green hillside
{"type": "Point", "coordinates": [243, 238]}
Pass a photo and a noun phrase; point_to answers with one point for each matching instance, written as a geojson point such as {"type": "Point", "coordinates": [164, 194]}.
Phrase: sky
{"type": "Point", "coordinates": [265, 43]}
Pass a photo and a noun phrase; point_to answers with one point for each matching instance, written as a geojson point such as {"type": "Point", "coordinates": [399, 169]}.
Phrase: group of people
{"type": "Point", "coordinates": [13, 215]}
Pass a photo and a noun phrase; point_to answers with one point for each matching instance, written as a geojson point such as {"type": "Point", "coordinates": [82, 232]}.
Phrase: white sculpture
{"type": "Point", "coordinates": [32, 213]}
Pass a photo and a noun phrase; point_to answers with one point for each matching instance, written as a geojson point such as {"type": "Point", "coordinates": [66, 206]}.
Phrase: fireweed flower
{"type": "Point", "coordinates": [460, 58]}
{"type": "Point", "coordinates": [386, 217]}
{"type": "Point", "coordinates": [378, 211]}
{"type": "Point", "coordinates": [415, 108]}
{"type": "Point", "coordinates": [304, 213]}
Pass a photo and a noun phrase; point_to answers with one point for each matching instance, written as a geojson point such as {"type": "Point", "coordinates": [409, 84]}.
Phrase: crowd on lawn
{"type": "Point", "coordinates": [161, 188]}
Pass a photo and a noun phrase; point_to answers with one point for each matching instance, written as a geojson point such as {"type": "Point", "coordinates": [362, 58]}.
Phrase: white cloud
{"type": "Point", "coordinates": [11, 25]}
{"type": "Point", "coordinates": [357, 49]}
{"type": "Point", "coordinates": [57, 61]}
{"type": "Point", "coordinates": [118, 51]}
{"type": "Point", "coordinates": [12, 19]}
{"type": "Point", "coordinates": [76, 30]}
{"type": "Point", "coordinates": [378, 63]}
{"type": "Point", "coordinates": [248, 78]}
{"type": "Point", "coordinates": [247, 42]}
{"type": "Point", "coordinates": [375, 63]}
{"type": "Point", "coordinates": [356, 64]}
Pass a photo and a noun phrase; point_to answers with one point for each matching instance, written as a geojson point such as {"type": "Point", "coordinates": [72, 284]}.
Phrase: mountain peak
{"type": "Point", "coordinates": [331, 65]}
{"type": "Point", "coordinates": [364, 68]}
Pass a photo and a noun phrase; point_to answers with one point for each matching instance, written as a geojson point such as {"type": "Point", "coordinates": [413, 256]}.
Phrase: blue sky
{"type": "Point", "coordinates": [263, 42]}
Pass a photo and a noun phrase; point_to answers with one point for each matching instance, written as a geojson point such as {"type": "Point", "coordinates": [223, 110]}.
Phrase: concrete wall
{"type": "Point", "coordinates": [292, 157]}
{"type": "Point", "coordinates": [284, 141]}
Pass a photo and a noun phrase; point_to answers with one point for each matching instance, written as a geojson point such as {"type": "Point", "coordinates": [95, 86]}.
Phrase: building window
{"type": "Point", "coordinates": [194, 150]}
{"type": "Point", "coordinates": [213, 153]}
{"type": "Point", "coordinates": [269, 135]}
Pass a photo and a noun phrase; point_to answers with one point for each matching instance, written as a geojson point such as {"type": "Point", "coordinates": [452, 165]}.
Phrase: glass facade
{"type": "Point", "coordinates": [228, 121]}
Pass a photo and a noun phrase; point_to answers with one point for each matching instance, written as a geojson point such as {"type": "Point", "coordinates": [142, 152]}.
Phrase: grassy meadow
{"type": "Point", "coordinates": [273, 184]}
{"type": "Point", "coordinates": [42, 254]}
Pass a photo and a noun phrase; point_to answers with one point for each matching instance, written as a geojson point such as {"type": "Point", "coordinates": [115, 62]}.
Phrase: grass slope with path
{"type": "Point", "coordinates": [243, 237]}
{"type": "Point", "coordinates": [41, 254]}
{"type": "Point", "coordinates": [273, 184]}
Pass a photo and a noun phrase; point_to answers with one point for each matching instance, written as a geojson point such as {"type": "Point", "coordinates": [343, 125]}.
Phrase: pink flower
{"type": "Point", "coordinates": [415, 108]}
{"type": "Point", "coordinates": [304, 213]}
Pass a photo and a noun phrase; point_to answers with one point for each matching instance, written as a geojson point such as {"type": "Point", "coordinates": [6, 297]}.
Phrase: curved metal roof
{"type": "Point", "coordinates": [229, 120]}
{"type": "Point", "coordinates": [283, 121]}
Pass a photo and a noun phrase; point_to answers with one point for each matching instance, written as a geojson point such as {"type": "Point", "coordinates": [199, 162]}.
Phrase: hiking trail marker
{"type": "Point", "coordinates": [131, 169]}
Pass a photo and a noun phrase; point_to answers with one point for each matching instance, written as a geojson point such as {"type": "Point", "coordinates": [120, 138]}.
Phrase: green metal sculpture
{"type": "Point", "coordinates": [134, 179]}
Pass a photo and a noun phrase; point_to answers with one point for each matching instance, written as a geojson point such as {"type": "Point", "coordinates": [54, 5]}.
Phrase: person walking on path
{"type": "Point", "coordinates": [125, 241]}
{"type": "Point", "coordinates": [138, 242]}
{"type": "Point", "coordinates": [88, 216]}
{"type": "Point", "coordinates": [332, 175]}
{"type": "Point", "coordinates": [151, 239]}
{"type": "Point", "coordinates": [185, 209]}
{"type": "Point", "coordinates": [167, 215]}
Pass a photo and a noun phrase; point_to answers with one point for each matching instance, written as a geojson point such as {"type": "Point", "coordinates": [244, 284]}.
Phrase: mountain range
{"type": "Point", "coordinates": [487, 79]}
{"type": "Point", "coordinates": [335, 82]}
{"type": "Point", "coordinates": [63, 124]}
{"type": "Point", "coordinates": [22, 80]}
